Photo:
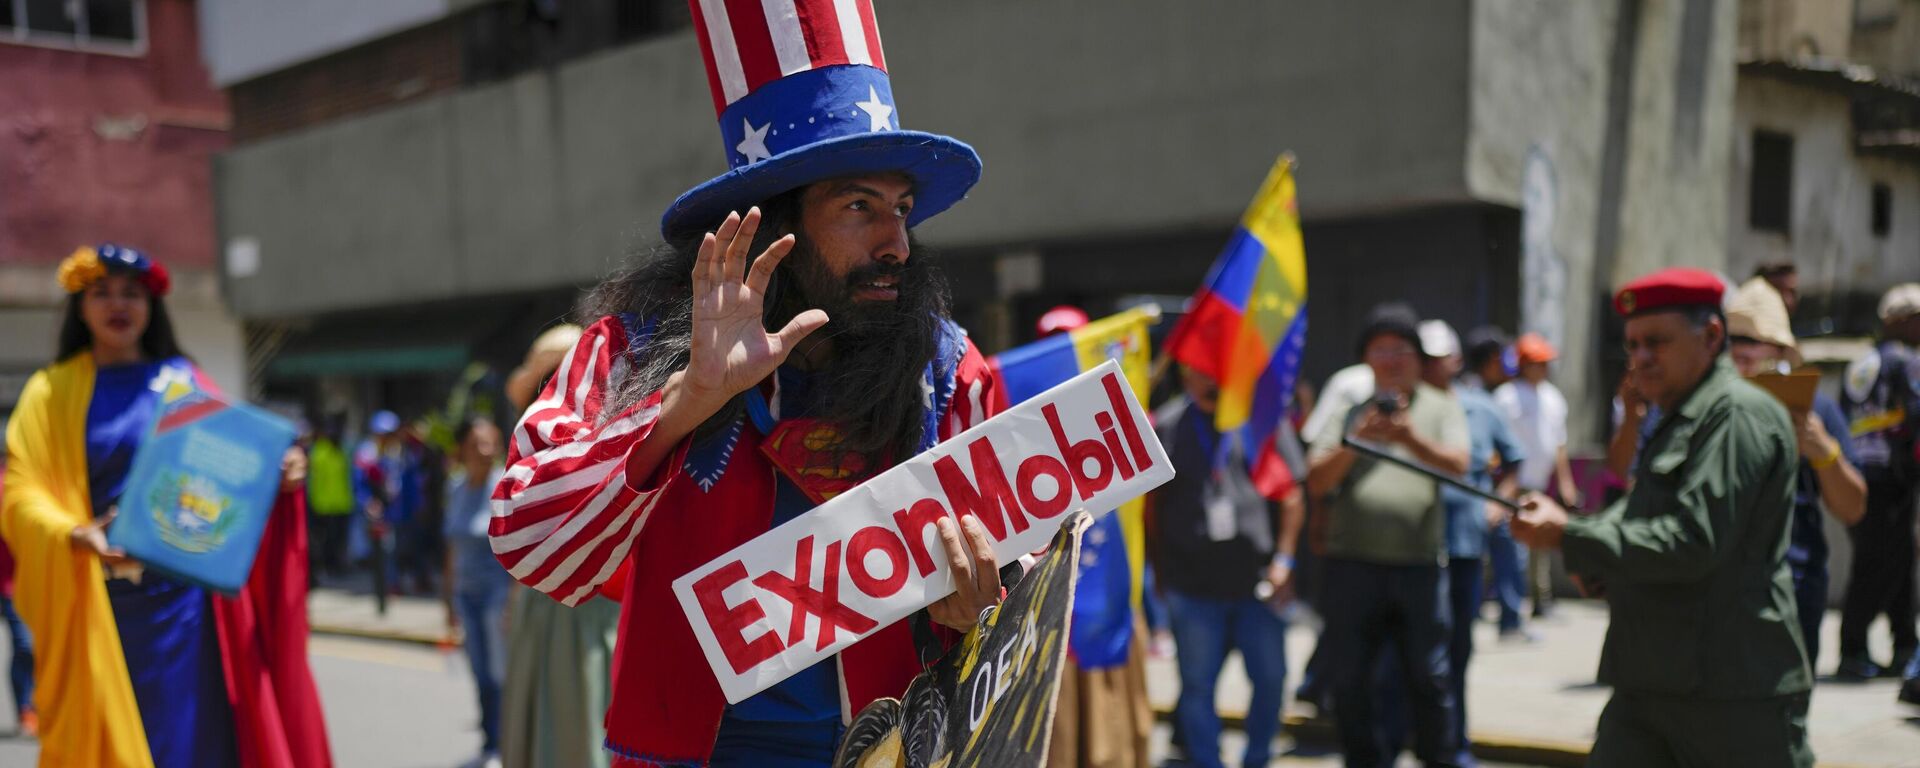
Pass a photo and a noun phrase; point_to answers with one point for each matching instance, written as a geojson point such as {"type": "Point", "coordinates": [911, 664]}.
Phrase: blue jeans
{"type": "Point", "coordinates": [1463, 579]}
{"type": "Point", "coordinates": [1152, 608]}
{"type": "Point", "coordinates": [1464, 591]}
{"type": "Point", "coordinates": [21, 673]}
{"type": "Point", "coordinates": [1509, 559]}
{"type": "Point", "coordinates": [483, 615]}
{"type": "Point", "coordinates": [1204, 630]}
{"type": "Point", "coordinates": [1371, 608]}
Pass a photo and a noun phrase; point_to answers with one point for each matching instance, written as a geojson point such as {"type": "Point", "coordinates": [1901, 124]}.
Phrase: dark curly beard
{"type": "Point", "coordinates": [873, 385]}
{"type": "Point", "coordinates": [870, 385]}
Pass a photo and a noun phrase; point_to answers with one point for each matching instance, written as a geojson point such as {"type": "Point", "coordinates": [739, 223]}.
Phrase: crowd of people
{"type": "Point", "coordinates": [1721, 496]}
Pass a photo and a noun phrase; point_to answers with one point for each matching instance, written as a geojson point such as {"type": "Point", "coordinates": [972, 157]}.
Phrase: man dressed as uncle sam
{"type": "Point", "coordinates": [789, 340]}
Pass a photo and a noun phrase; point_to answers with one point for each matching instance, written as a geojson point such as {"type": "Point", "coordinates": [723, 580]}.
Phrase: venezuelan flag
{"type": "Point", "coordinates": [1247, 325]}
{"type": "Point", "coordinates": [1113, 553]}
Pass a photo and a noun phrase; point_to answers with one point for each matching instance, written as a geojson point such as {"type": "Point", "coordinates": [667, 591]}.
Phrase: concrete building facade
{"type": "Point", "coordinates": [1451, 153]}
{"type": "Point", "coordinates": [1826, 161]}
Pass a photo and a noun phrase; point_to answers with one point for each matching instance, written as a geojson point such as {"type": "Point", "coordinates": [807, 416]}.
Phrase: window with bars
{"type": "Point", "coordinates": [1881, 217]}
{"type": "Point", "coordinates": [111, 25]}
{"type": "Point", "coordinates": [1770, 188]}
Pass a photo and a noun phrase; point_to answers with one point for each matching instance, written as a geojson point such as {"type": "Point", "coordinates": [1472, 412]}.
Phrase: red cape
{"type": "Point", "coordinates": [263, 650]}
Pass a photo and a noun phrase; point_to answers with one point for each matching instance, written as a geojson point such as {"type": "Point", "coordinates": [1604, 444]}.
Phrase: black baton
{"type": "Point", "coordinates": [1381, 453]}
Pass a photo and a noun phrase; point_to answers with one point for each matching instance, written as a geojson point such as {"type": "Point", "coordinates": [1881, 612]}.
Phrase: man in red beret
{"type": "Point", "coordinates": [1704, 650]}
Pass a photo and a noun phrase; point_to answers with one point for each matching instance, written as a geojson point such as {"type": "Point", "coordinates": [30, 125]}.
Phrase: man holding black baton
{"type": "Point", "coordinates": [1704, 650]}
{"type": "Point", "coordinates": [1386, 546]}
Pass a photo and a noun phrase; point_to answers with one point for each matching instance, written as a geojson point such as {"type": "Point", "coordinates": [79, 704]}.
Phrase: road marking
{"type": "Point", "coordinates": [375, 652]}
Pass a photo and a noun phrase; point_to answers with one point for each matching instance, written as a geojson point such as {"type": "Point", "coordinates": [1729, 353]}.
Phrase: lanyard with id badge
{"type": "Point", "coordinates": [1216, 496]}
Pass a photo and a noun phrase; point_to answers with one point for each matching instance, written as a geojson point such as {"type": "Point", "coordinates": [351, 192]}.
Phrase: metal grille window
{"type": "Point", "coordinates": [1770, 188]}
{"type": "Point", "coordinates": [1882, 215]}
{"type": "Point", "coordinates": [113, 26]}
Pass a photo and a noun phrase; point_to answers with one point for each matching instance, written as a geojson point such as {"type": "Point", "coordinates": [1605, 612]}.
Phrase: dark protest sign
{"type": "Point", "coordinates": [989, 701]}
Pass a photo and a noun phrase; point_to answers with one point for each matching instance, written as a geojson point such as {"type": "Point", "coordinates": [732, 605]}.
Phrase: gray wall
{"type": "Point", "coordinates": [1539, 143]}
{"type": "Point", "coordinates": [1142, 117]}
{"type": "Point", "coordinates": [1607, 124]}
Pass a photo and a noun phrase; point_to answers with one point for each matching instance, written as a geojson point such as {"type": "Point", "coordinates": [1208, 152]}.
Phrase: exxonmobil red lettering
{"type": "Point", "coordinates": [843, 570]}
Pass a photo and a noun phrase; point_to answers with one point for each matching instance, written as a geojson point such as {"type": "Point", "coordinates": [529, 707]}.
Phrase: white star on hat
{"type": "Point", "coordinates": [754, 146]}
{"type": "Point", "coordinates": [878, 114]}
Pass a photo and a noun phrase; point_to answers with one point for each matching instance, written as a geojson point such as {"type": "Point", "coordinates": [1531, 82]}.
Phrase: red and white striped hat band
{"type": "Point", "coordinates": [749, 43]}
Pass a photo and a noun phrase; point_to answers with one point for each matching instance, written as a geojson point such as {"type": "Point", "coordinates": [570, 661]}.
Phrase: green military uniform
{"type": "Point", "coordinates": [1704, 650]}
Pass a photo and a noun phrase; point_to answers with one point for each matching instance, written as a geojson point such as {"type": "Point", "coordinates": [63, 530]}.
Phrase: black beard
{"type": "Point", "coordinates": [872, 386]}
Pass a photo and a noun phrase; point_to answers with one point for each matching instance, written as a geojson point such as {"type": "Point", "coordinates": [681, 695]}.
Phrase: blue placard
{"type": "Point", "coordinates": [201, 488]}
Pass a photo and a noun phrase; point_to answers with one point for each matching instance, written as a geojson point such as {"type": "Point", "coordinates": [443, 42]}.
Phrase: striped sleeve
{"type": "Point", "coordinates": [976, 395]}
{"type": "Point", "coordinates": [566, 513]}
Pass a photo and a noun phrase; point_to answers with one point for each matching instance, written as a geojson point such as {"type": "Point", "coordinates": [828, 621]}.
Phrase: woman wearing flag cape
{"type": "Point", "coordinates": [138, 669]}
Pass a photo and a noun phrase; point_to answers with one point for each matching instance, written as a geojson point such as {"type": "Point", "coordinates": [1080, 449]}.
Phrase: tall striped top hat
{"type": "Point", "coordinates": [802, 91]}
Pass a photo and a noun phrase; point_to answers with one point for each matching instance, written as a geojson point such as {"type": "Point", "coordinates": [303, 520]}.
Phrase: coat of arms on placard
{"type": "Point", "coordinates": [189, 513]}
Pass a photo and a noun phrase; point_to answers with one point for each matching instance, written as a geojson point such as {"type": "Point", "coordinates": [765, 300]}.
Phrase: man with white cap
{"type": "Point", "coordinates": [1761, 341]}
{"type": "Point", "coordinates": [1881, 399]}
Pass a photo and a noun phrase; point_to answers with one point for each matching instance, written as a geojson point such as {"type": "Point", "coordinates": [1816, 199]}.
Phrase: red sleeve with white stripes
{"type": "Point", "coordinates": [975, 395]}
{"type": "Point", "coordinates": [566, 514]}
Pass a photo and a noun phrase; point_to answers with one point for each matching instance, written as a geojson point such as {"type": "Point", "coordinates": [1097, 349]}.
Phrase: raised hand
{"type": "Point", "coordinates": [731, 348]}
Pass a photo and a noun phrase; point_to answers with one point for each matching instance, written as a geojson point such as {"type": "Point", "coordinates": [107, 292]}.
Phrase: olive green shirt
{"type": "Point", "coordinates": [1694, 559]}
{"type": "Point", "coordinates": [1387, 514]}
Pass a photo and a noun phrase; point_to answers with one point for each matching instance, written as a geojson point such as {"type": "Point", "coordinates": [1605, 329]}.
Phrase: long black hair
{"type": "Point", "coordinates": [873, 389]}
{"type": "Point", "coordinates": [156, 343]}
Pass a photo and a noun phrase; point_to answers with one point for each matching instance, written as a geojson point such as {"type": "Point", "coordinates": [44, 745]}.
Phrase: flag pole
{"type": "Point", "coordinates": [1160, 365]}
{"type": "Point", "coordinates": [1160, 360]}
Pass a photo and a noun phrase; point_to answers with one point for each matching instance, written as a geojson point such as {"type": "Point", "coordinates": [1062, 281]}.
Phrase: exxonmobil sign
{"type": "Point", "coordinates": [872, 556]}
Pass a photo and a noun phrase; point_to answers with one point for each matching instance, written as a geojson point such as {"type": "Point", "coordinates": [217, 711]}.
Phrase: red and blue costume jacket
{"type": "Point", "coordinates": [571, 521]}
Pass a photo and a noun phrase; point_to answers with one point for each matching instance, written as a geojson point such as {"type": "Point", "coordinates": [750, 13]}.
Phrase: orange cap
{"type": "Point", "coordinates": [1533, 348]}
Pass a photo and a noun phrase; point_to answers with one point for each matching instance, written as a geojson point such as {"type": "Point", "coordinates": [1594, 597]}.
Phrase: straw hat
{"type": "Point", "coordinates": [1757, 312]}
{"type": "Point", "coordinates": [543, 358]}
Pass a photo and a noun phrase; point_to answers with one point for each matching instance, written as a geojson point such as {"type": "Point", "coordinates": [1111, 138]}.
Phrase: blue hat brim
{"type": "Point", "coordinates": [942, 168]}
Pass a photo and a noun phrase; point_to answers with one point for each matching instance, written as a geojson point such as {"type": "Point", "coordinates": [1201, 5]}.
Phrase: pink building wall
{"type": "Point", "coordinates": [108, 147]}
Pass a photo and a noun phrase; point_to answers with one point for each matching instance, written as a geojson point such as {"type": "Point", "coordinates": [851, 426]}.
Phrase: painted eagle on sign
{"type": "Point", "coordinates": [989, 701]}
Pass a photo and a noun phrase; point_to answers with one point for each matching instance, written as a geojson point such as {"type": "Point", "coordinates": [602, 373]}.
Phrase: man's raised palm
{"type": "Point", "coordinates": [731, 348]}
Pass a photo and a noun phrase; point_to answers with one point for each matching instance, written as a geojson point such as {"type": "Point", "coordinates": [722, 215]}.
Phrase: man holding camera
{"type": "Point", "coordinates": [1386, 547]}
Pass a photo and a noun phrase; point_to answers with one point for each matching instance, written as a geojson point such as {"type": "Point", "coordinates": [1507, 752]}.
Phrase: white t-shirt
{"type": "Point", "coordinates": [1346, 388]}
{"type": "Point", "coordinates": [1538, 416]}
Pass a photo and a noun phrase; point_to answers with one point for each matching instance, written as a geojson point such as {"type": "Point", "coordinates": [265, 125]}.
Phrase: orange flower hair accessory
{"type": "Point", "coordinates": [81, 269]}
